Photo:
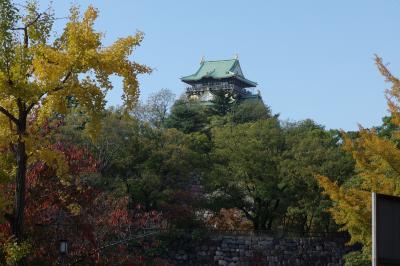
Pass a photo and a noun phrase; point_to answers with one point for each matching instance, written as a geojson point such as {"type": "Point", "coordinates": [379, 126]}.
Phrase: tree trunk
{"type": "Point", "coordinates": [270, 220]}
{"type": "Point", "coordinates": [269, 226]}
{"type": "Point", "coordinates": [20, 191]}
{"type": "Point", "coordinates": [259, 223]}
{"type": "Point", "coordinates": [256, 225]}
{"type": "Point", "coordinates": [21, 160]}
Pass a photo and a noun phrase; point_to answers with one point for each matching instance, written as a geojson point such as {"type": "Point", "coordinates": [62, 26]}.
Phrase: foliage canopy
{"type": "Point", "coordinates": [40, 73]}
{"type": "Point", "coordinates": [377, 158]}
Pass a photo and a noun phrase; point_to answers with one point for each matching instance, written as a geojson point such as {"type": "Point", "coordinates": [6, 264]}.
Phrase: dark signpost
{"type": "Point", "coordinates": [385, 230]}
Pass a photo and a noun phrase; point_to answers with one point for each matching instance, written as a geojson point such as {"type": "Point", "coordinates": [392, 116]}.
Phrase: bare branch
{"type": "Point", "coordinates": [119, 242]}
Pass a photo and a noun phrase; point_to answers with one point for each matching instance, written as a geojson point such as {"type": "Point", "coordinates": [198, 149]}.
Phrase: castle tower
{"type": "Point", "coordinates": [220, 75]}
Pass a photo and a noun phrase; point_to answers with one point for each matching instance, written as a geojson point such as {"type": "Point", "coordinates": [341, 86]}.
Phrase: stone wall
{"type": "Point", "coordinates": [257, 250]}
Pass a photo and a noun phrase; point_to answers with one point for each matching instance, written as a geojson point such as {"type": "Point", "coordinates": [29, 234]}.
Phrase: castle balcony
{"type": "Point", "coordinates": [208, 87]}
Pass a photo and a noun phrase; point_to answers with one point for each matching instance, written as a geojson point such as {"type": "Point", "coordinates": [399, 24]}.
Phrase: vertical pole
{"type": "Point", "coordinates": [374, 251]}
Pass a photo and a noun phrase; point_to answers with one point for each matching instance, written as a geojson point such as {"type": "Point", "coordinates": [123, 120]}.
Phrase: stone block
{"type": "Point", "coordinates": [222, 263]}
{"type": "Point", "coordinates": [248, 253]}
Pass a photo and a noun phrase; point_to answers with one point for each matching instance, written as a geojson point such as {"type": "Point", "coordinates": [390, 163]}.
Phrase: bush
{"type": "Point", "coordinates": [357, 258]}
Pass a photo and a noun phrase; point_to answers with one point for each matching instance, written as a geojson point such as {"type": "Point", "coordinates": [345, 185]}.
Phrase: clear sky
{"type": "Point", "coordinates": [311, 59]}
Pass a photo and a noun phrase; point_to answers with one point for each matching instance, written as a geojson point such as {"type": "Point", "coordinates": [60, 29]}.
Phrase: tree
{"type": "Point", "coordinates": [187, 117]}
{"type": "Point", "coordinates": [152, 167]}
{"type": "Point", "coordinates": [377, 160]}
{"type": "Point", "coordinates": [37, 75]}
{"type": "Point", "coordinates": [250, 111]}
{"type": "Point", "coordinates": [223, 102]}
{"type": "Point", "coordinates": [387, 128]}
{"type": "Point", "coordinates": [263, 169]}
{"type": "Point", "coordinates": [75, 211]}
{"type": "Point", "coordinates": [90, 217]}
{"type": "Point", "coordinates": [229, 219]}
{"type": "Point", "coordinates": [155, 111]}
{"type": "Point", "coordinates": [161, 176]}
{"type": "Point", "coordinates": [310, 149]}
{"type": "Point", "coordinates": [245, 173]}
{"type": "Point", "coordinates": [53, 202]}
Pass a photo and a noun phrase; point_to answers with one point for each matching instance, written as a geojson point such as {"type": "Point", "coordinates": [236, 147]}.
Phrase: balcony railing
{"type": "Point", "coordinates": [205, 87]}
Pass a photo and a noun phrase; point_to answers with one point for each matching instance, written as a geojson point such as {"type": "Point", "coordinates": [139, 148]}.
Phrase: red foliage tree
{"type": "Point", "coordinates": [94, 224]}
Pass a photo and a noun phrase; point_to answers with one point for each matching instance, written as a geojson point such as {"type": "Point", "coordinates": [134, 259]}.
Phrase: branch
{"type": "Point", "coordinates": [30, 23]}
{"type": "Point", "coordinates": [246, 213]}
{"type": "Point", "coordinates": [26, 36]}
{"type": "Point", "coordinates": [9, 115]}
{"type": "Point", "coordinates": [20, 105]}
{"type": "Point", "coordinates": [9, 217]}
{"type": "Point", "coordinates": [31, 106]}
{"type": "Point", "coordinates": [59, 87]}
{"type": "Point", "coordinates": [25, 29]}
{"type": "Point", "coordinates": [123, 241]}
{"type": "Point", "coordinates": [34, 21]}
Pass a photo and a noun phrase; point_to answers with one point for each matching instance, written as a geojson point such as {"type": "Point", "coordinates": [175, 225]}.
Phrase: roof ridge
{"type": "Point", "coordinates": [221, 60]}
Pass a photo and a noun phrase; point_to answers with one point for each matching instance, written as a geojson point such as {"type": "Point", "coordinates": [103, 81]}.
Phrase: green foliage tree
{"type": "Point", "coordinates": [264, 169]}
{"type": "Point", "coordinates": [310, 149]}
{"type": "Point", "coordinates": [150, 165]}
{"type": "Point", "coordinates": [187, 117]}
{"type": "Point", "coordinates": [223, 102]}
{"type": "Point", "coordinates": [387, 128]}
{"type": "Point", "coordinates": [250, 111]}
{"type": "Point", "coordinates": [245, 173]}
{"type": "Point", "coordinates": [163, 180]}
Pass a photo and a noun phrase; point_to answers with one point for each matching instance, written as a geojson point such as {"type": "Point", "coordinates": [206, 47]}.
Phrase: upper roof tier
{"type": "Point", "coordinates": [220, 69]}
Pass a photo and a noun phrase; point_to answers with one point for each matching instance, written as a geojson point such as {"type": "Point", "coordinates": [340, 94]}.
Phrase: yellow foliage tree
{"type": "Point", "coordinates": [378, 169]}
{"type": "Point", "coordinates": [40, 73]}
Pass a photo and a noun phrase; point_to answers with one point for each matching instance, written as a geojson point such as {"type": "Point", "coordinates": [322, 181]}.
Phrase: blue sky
{"type": "Point", "coordinates": [311, 59]}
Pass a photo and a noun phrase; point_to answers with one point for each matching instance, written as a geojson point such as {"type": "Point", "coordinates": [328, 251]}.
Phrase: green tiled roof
{"type": "Point", "coordinates": [219, 70]}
